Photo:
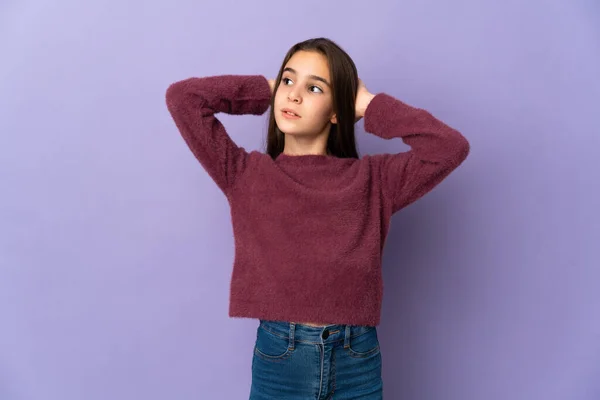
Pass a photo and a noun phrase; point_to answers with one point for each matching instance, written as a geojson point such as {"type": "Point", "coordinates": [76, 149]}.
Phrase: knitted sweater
{"type": "Point", "coordinates": [309, 230]}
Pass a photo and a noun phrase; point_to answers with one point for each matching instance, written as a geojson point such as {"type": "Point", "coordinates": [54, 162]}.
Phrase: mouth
{"type": "Point", "coordinates": [287, 113]}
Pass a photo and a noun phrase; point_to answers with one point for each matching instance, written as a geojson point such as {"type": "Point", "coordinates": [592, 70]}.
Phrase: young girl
{"type": "Point", "coordinates": [310, 217]}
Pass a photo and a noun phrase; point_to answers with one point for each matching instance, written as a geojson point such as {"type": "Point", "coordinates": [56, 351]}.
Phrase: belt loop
{"type": "Point", "coordinates": [347, 337]}
{"type": "Point", "coordinates": [292, 331]}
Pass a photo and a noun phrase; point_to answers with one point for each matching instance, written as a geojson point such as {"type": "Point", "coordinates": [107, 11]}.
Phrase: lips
{"type": "Point", "coordinates": [290, 112]}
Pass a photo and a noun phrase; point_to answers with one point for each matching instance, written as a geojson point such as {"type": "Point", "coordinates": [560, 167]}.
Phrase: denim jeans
{"type": "Point", "coordinates": [293, 361]}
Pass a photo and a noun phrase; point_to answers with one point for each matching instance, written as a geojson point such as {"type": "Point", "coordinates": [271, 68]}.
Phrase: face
{"type": "Point", "coordinates": [305, 91]}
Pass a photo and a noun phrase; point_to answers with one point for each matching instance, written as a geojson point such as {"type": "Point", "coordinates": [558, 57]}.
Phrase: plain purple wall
{"type": "Point", "coordinates": [116, 247]}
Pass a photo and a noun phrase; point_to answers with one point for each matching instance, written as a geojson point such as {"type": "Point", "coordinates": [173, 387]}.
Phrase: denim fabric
{"type": "Point", "coordinates": [293, 361]}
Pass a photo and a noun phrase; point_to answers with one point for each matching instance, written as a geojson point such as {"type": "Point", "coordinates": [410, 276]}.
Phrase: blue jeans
{"type": "Point", "coordinates": [293, 361]}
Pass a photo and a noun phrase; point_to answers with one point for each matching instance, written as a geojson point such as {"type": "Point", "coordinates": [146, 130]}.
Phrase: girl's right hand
{"type": "Point", "coordinates": [272, 84]}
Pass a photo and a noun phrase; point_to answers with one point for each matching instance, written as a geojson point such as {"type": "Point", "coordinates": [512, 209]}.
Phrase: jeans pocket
{"type": "Point", "coordinates": [364, 345]}
{"type": "Point", "coordinates": [270, 346]}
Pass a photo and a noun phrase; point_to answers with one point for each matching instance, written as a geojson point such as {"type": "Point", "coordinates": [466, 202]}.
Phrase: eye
{"type": "Point", "coordinates": [285, 80]}
{"type": "Point", "coordinates": [315, 87]}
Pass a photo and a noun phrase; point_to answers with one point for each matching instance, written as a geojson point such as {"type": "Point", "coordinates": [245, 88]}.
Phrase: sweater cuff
{"type": "Point", "coordinates": [379, 112]}
{"type": "Point", "coordinates": [263, 94]}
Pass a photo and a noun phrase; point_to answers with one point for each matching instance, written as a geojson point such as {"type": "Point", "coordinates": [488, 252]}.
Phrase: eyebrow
{"type": "Point", "coordinates": [315, 77]}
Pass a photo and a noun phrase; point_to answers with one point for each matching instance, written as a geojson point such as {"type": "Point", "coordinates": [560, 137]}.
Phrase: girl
{"type": "Point", "coordinates": [310, 217]}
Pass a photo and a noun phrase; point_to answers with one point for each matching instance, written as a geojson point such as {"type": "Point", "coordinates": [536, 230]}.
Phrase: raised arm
{"type": "Point", "coordinates": [193, 104]}
{"type": "Point", "coordinates": [436, 149]}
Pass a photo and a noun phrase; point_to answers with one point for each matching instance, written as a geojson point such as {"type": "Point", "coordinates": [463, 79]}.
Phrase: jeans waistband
{"type": "Point", "coordinates": [314, 334]}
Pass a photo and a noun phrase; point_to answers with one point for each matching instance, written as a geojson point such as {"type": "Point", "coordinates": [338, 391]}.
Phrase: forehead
{"type": "Point", "coordinates": [309, 63]}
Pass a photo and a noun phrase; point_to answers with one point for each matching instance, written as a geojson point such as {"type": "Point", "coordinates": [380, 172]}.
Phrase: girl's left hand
{"type": "Point", "coordinates": [363, 98]}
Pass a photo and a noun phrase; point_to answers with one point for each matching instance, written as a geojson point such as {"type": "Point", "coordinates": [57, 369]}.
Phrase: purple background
{"type": "Point", "coordinates": [116, 247]}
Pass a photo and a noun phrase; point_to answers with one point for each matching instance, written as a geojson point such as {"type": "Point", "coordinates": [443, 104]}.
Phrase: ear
{"type": "Point", "coordinates": [333, 119]}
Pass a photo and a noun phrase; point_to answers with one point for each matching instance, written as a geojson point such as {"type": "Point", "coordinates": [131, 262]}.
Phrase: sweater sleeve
{"type": "Point", "coordinates": [435, 149]}
{"type": "Point", "coordinates": [193, 104]}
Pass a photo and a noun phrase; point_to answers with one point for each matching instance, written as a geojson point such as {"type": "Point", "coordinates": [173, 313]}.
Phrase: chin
{"type": "Point", "coordinates": [285, 127]}
{"type": "Point", "coordinates": [291, 132]}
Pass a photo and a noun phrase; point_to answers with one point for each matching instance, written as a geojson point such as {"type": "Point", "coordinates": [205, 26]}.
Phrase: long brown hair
{"type": "Point", "coordinates": [344, 81]}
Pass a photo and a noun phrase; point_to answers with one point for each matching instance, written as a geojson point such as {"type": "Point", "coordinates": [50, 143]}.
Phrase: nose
{"type": "Point", "coordinates": [293, 96]}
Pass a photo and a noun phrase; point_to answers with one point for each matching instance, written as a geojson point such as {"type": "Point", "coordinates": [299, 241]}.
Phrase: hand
{"type": "Point", "coordinates": [272, 84]}
{"type": "Point", "coordinates": [363, 98]}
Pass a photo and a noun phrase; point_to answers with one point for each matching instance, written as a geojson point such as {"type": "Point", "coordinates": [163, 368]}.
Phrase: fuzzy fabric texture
{"type": "Point", "coordinates": [309, 230]}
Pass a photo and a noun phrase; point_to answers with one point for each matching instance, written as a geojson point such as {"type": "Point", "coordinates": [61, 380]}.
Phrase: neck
{"type": "Point", "coordinates": [299, 146]}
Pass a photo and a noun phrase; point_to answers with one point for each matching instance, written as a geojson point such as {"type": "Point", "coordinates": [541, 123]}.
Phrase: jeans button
{"type": "Point", "coordinates": [325, 334]}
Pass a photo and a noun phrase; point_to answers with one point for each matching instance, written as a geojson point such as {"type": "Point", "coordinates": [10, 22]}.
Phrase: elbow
{"type": "Point", "coordinates": [464, 148]}
{"type": "Point", "coordinates": [179, 91]}
{"type": "Point", "coordinates": [185, 94]}
{"type": "Point", "coordinates": [460, 149]}
{"type": "Point", "coordinates": [174, 93]}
